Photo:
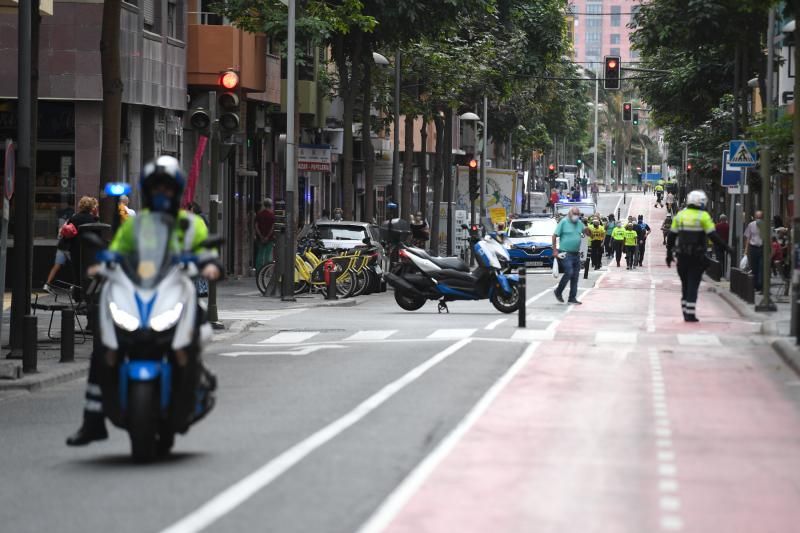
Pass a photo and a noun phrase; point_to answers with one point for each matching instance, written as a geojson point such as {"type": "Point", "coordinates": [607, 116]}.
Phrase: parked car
{"type": "Point", "coordinates": [346, 235]}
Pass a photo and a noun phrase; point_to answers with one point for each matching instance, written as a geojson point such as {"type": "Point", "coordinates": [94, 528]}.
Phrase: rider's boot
{"type": "Point", "coordinates": [92, 429]}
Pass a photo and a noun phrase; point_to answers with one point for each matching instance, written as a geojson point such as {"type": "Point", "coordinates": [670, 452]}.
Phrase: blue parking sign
{"type": "Point", "coordinates": [731, 176]}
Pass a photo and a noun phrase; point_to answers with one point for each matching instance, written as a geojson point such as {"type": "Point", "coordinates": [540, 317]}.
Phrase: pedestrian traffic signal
{"type": "Point", "coordinates": [474, 186]}
{"type": "Point", "coordinates": [688, 166]}
{"type": "Point", "coordinates": [612, 70]}
{"type": "Point", "coordinates": [199, 119]}
{"type": "Point", "coordinates": [229, 101]}
{"type": "Point", "coordinates": [627, 108]}
{"type": "Point", "coordinates": [635, 118]}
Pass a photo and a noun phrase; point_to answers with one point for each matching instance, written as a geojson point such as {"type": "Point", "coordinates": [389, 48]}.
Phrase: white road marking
{"type": "Point", "coordinates": [452, 333]}
{"type": "Point", "coordinates": [534, 298]}
{"type": "Point", "coordinates": [698, 339]}
{"type": "Point", "coordinates": [668, 485]}
{"type": "Point", "coordinates": [387, 511]}
{"type": "Point", "coordinates": [667, 470]}
{"type": "Point", "coordinates": [666, 455]}
{"type": "Point", "coordinates": [671, 523]}
{"type": "Point", "coordinates": [300, 350]}
{"type": "Point", "coordinates": [533, 335]}
{"type": "Point", "coordinates": [258, 316]}
{"type": "Point", "coordinates": [243, 490]}
{"type": "Point", "coordinates": [371, 335]}
{"type": "Point", "coordinates": [651, 306]}
{"type": "Point", "coordinates": [616, 337]}
{"type": "Point", "coordinates": [290, 337]}
{"type": "Point", "coordinates": [669, 503]}
{"type": "Point", "coordinates": [496, 323]}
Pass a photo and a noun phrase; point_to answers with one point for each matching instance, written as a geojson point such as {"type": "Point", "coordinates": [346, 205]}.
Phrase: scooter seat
{"type": "Point", "coordinates": [452, 263]}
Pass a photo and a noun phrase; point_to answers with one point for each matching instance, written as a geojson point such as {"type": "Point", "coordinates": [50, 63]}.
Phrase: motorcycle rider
{"type": "Point", "coordinates": [161, 185]}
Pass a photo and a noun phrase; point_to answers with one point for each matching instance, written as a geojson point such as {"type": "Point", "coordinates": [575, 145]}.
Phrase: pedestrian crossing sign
{"type": "Point", "coordinates": [743, 154]}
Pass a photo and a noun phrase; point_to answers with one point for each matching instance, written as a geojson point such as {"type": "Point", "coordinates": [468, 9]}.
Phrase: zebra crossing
{"type": "Point", "coordinates": [304, 342]}
{"type": "Point", "coordinates": [256, 315]}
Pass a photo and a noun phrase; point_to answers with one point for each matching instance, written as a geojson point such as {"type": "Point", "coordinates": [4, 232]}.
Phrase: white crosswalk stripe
{"type": "Point", "coordinates": [533, 335]}
{"type": "Point", "coordinates": [290, 337]}
{"type": "Point", "coordinates": [698, 339]}
{"type": "Point", "coordinates": [625, 337]}
{"type": "Point", "coordinates": [372, 335]}
{"type": "Point", "coordinates": [256, 315]}
{"type": "Point", "coordinates": [451, 333]}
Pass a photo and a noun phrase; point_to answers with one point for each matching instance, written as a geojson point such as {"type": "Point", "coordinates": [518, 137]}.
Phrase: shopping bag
{"type": "Point", "coordinates": [555, 267]}
{"type": "Point", "coordinates": [743, 263]}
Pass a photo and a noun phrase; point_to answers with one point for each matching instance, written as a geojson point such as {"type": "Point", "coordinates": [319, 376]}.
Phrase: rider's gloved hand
{"type": "Point", "coordinates": [211, 272]}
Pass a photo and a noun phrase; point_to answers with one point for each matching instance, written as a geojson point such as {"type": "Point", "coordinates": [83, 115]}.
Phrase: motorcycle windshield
{"type": "Point", "coordinates": [151, 258]}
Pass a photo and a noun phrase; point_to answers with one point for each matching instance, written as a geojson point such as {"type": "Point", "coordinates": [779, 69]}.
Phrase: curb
{"type": "Point", "coordinates": [768, 326]}
{"type": "Point", "coordinates": [37, 381]}
{"type": "Point", "coordinates": [789, 352]}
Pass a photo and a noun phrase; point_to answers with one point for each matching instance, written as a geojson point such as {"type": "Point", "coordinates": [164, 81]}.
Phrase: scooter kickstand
{"type": "Point", "coordinates": [443, 307]}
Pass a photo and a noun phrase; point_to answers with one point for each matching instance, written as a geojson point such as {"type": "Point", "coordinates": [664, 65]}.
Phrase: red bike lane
{"type": "Point", "coordinates": [629, 420]}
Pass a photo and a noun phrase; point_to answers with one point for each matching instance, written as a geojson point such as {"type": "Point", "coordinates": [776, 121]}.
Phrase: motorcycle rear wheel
{"type": "Point", "coordinates": [506, 303]}
{"type": "Point", "coordinates": [143, 412]}
{"type": "Point", "coordinates": [408, 301]}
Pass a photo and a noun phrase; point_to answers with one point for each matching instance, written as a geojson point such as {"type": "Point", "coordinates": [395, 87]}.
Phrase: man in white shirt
{"type": "Point", "coordinates": [754, 248]}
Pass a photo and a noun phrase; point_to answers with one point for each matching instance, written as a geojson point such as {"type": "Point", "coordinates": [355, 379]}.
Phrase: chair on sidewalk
{"type": "Point", "coordinates": [62, 300]}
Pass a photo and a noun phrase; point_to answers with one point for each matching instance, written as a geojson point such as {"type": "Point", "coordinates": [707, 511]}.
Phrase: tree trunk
{"type": "Point", "coordinates": [112, 103]}
{"type": "Point", "coordinates": [348, 81]}
{"type": "Point", "coordinates": [447, 167]}
{"type": "Point", "coordinates": [423, 169]}
{"type": "Point", "coordinates": [408, 168]}
{"type": "Point", "coordinates": [437, 183]}
{"type": "Point", "coordinates": [368, 153]}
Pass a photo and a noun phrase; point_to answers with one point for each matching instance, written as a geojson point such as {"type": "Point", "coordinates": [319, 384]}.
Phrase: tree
{"type": "Point", "coordinates": [112, 101]}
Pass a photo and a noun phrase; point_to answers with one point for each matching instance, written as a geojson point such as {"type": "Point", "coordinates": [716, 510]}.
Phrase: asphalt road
{"type": "Point", "coordinates": [322, 413]}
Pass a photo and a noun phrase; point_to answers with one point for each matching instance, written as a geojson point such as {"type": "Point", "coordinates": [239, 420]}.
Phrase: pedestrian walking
{"type": "Point", "coordinates": [631, 239]}
{"type": "Point", "coordinates": [670, 203]}
{"type": "Point", "coordinates": [265, 234]}
{"type": "Point", "coordinates": [665, 227]}
{"type": "Point", "coordinates": [723, 230]}
{"type": "Point", "coordinates": [608, 242]}
{"type": "Point", "coordinates": [598, 235]}
{"type": "Point", "coordinates": [644, 232]}
{"type": "Point", "coordinates": [123, 202]}
{"type": "Point", "coordinates": [659, 190]}
{"type": "Point", "coordinates": [595, 193]}
{"type": "Point", "coordinates": [566, 245]}
{"type": "Point", "coordinates": [618, 236]}
{"type": "Point", "coordinates": [691, 228]}
{"type": "Point", "coordinates": [584, 185]}
{"type": "Point", "coordinates": [754, 248]}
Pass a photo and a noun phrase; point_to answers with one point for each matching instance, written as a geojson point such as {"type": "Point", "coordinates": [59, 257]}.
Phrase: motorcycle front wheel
{"type": "Point", "coordinates": [408, 301]}
{"type": "Point", "coordinates": [143, 412]}
{"type": "Point", "coordinates": [506, 303]}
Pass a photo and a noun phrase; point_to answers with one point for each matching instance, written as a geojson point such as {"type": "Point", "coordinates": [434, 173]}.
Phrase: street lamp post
{"type": "Point", "coordinates": [396, 144]}
{"type": "Point", "coordinates": [484, 153]}
{"type": "Point", "coordinates": [291, 160]}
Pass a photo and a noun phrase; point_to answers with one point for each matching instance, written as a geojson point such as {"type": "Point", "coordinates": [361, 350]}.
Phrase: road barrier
{"type": "Point", "coordinates": [29, 344]}
{"type": "Point", "coordinates": [714, 269]}
{"type": "Point", "coordinates": [67, 336]}
{"type": "Point", "coordinates": [522, 298]}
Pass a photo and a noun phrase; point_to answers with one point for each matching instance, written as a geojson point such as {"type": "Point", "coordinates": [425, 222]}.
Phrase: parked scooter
{"type": "Point", "coordinates": [152, 332]}
{"type": "Point", "coordinates": [449, 279]}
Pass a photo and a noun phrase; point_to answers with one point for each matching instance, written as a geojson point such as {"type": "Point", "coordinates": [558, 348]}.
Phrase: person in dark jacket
{"type": "Point", "coordinates": [88, 207]}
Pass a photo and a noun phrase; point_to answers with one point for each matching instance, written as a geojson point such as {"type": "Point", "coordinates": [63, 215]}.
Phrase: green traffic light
{"type": "Point", "coordinates": [579, 161]}
{"type": "Point", "coordinates": [613, 161]}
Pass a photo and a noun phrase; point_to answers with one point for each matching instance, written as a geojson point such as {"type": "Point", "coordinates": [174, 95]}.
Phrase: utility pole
{"type": "Point", "coordinates": [291, 160]}
{"type": "Point", "coordinates": [483, 157]}
{"type": "Point", "coordinates": [23, 201]}
{"type": "Point", "coordinates": [213, 197]}
{"type": "Point", "coordinates": [766, 303]}
{"type": "Point", "coordinates": [396, 144]}
{"type": "Point", "coordinates": [596, 105]}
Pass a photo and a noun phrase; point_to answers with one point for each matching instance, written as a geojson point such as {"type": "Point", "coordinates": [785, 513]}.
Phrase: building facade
{"type": "Point", "coordinates": [600, 28]}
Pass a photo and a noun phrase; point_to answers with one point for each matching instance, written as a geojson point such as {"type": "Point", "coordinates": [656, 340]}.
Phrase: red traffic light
{"type": "Point", "coordinates": [689, 166]}
{"type": "Point", "coordinates": [627, 107]}
{"type": "Point", "coordinates": [229, 80]}
{"type": "Point", "coordinates": [473, 163]}
{"type": "Point", "coordinates": [552, 167]}
{"type": "Point", "coordinates": [612, 63]}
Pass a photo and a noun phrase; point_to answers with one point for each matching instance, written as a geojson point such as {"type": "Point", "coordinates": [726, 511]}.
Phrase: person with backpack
{"type": "Point", "coordinates": [69, 245]}
{"type": "Point", "coordinates": [644, 231]}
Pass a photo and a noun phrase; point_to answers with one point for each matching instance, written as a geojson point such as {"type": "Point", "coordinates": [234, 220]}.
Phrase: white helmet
{"type": "Point", "coordinates": [697, 199]}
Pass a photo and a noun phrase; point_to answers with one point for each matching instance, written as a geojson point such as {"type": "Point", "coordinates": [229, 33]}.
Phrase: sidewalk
{"type": "Point", "coordinates": [628, 420]}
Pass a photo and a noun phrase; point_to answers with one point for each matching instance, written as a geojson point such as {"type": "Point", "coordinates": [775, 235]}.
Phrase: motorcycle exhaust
{"type": "Point", "coordinates": [399, 283]}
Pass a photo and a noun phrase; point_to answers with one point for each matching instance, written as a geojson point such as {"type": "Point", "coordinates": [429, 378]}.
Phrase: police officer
{"type": "Point", "coordinates": [631, 241]}
{"type": "Point", "coordinates": [162, 186]}
{"type": "Point", "coordinates": [598, 234]}
{"type": "Point", "coordinates": [659, 195]}
{"type": "Point", "coordinates": [691, 228]}
{"type": "Point", "coordinates": [618, 238]}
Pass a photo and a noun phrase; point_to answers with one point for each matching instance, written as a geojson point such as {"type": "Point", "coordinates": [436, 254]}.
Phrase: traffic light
{"type": "Point", "coordinates": [614, 162]}
{"type": "Point", "coordinates": [635, 118]}
{"type": "Point", "coordinates": [229, 101]}
{"type": "Point", "coordinates": [627, 108]}
{"type": "Point", "coordinates": [689, 166]}
{"type": "Point", "coordinates": [612, 70]}
{"type": "Point", "coordinates": [474, 186]}
{"type": "Point", "coordinates": [579, 162]}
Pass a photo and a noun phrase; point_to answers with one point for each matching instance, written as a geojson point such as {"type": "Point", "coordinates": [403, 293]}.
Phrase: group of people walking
{"type": "Point", "coordinates": [615, 238]}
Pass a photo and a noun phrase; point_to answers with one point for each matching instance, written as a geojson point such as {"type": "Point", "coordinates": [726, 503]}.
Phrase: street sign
{"type": "Point", "coordinates": [10, 170]}
{"type": "Point", "coordinates": [744, 154]}
{"type": "Point", "coordinates": [731, 176]}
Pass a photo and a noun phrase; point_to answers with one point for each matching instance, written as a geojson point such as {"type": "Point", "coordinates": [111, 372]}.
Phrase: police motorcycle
{"type": "Point", "coordinates": [448, 279]}
{"type": "Point", "coordinates": [149, 316]}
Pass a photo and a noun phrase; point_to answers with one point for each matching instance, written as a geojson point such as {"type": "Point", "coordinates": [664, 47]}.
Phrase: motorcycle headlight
{"type": "Point", "coordinates": [167, 319]}
{"type": "Point", "coordinates": [123, 319]}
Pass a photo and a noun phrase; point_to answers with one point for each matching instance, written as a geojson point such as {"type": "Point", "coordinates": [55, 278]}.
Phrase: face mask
{"type": "Point", "coordinates": [573, 218]}
{"type": "Point", "coordinates": [161, 202]}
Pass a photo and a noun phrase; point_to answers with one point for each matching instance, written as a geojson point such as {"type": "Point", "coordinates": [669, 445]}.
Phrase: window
{"type": "Point", "coordinates": [151, 10]}
{"type": "Point", "coordinates": [616, 18]}
{"type": "Point", "coordinates": [208, 15]}
{"type": "Point", "coordinates": [172, 19]}
{"type": "Point", "coordinates": [594, 8]}
{"type": "Point", "coordinates": [593, 52]}
{"type": "Point", "coordinates": [615, 38]}
{"type": "Point", "coordinates": [614, 52]}
{"type": "Point", "coordinates": [592, 36]}
{"type": "Point", "coordinates": [594, 22]}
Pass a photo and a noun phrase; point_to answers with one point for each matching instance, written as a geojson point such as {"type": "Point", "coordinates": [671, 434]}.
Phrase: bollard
{"type": "Point", "coordinates": [67, 336]}
{"type": "Point", "coordinates": [521, 308]}
{"type": "Point", "coordinates": [29, 344]}
{"type": "Point", "coordinates": [330, 280]}
{"type": "Point", "coordinates": [619, 213]}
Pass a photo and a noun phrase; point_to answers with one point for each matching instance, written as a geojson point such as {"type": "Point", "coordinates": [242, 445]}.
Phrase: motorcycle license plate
{"type": "Point", "coordinates": [378, 270]}
{"type": "Point", "coordinates": [536, 263]}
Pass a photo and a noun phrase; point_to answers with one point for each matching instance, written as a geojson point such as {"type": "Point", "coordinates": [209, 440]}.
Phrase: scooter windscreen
{"type": "Point", "coordinates": [150, 261]}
